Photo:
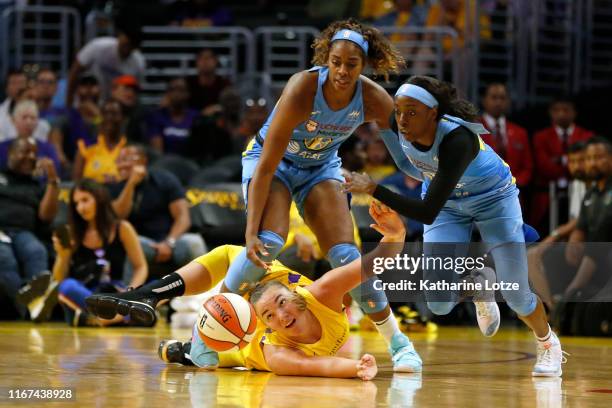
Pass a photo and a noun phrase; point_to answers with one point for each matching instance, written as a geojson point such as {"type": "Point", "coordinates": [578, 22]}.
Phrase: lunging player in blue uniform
{"type": "Point", "coordinates": [464, 183]}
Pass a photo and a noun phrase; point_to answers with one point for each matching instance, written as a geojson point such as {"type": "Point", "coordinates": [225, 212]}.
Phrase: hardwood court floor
{"type": "Point", "coordinates": [120, 368]}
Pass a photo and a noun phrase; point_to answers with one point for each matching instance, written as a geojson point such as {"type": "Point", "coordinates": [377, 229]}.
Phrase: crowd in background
{"type": "Point", "coordinates": [129, 220]}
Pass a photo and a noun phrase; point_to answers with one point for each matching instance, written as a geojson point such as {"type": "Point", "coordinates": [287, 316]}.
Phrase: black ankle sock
{"type": "Point", "coordinates": [168, 287]}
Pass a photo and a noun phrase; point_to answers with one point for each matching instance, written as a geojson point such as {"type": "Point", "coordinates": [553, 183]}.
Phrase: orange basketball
{"type": "Point", "coordinates": [227, 322]}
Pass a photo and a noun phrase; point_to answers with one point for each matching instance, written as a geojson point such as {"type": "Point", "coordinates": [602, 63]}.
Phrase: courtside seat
{"type": "Point", "coordinates": [225, 170]}
{"type": "Point", "coordinates": [181, 167]}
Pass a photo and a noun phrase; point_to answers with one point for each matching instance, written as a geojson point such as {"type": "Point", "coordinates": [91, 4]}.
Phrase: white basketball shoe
{"type": "Point", "coordinates": [550, 357]}
{"type": "Point", "coordinates": [487, 311]}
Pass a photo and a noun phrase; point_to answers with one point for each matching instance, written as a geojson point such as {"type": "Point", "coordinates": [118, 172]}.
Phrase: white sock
{"type": "Point", "coordinates": [388, 327]}
{"type": "Point", "coordinates": [549, 335]}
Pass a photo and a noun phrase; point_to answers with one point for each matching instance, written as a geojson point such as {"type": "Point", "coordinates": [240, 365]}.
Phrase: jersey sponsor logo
{"type": "Point", "coordinates": [314, 113]}
{"type": "Point", "coordinates": [354, 115]}
{"type": "Point", "coordinates": [317, 143]}
{"type": "Point", "coordinates": [311, 125]}
{"type": "Point", "coordinates": [293, 147]}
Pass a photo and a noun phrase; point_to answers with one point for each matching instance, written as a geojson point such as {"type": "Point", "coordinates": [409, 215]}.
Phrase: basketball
{"type": "Point", "coordinates": [226, 322]}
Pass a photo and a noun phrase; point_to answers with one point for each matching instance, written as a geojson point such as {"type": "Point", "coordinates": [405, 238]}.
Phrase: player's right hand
{"type": "Point", "coordinates": [254, 247]}
{"type": "Point", "coordinates": [367, 368]}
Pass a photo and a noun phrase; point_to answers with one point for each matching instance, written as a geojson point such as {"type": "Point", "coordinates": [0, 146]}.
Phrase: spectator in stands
{"type": "Point", "coordinates": [550, 148]}
{"type": "Point", "coordinates": [594, 222]}
{"type": "Point", "coordinates": [353, 155]}
{"type": "Point", "coordinates": [552, 280]}
{"type": "Point", "coordinates": [93, 261]}
{"type": "Point", "coordinates": [99, 161]}
{"type": "Point", "coordinates": [7, 127]}
{"type": "Point", "coordinates": [206, 86]}
{"type": "Point", "coordinates": [452, 14]}
{"type": "Point", "coordinates": [254, 117]}
{"type": "Point", "coordinates": [509, 140]}
{"type": "Point", "coordinates": [107, 58]}
{"type": "Point", "coordinates": [83, 120]}
{"type": "Point", "coordinates": [405, 14]}
{"type": "Point", "coordinates": [24, 202]}
{"type": "Point", "coordinates": [154, 201]}
{"type": "Point", "coordinates": [15, 81]}
{"type": "Point", "coordinates": [372, 10]}
{"type": "Point", "coordinates": [199, 13]}
{"type": "Point", "coordinates": [378, 163]}
{"type": "Point", "coordinates": [25, 122]}
{"type": "Point", "coordinates": [170, 127]}
{"type": "Point", "coordinates": [125, 90]}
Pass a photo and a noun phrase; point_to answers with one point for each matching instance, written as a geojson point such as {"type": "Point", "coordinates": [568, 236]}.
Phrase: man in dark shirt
{"type": "Point", "coordinates": [23, 203]}
{"type": "Point", "coordinates": [154, 202]}
{"type": "Point", "coordinates": [595, 220]}
{"type": "Point", "coordinates": [205, 88]}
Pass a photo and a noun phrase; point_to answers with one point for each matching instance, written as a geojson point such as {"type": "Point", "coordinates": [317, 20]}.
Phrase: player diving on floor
{"type": "Point", "coordinates": [302, 324]}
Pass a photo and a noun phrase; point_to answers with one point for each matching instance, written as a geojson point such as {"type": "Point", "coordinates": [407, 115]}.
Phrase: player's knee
{"type": "Point", "coordinates": [440, 308]}
{"type": "Point", "coordinates": [273, 243]}
{"type": "Point", "coordinates": [523, 303]}
{"type": "Point", "coordinates": [370, 300]}
{"type": "Point", "coordinates": [342, 254]}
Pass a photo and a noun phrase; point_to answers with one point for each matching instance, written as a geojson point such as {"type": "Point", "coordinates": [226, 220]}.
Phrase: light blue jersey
{"type": "Point", "coordinates": [316, 141]}
{"type": "Point", "coordinates": [486, 173]}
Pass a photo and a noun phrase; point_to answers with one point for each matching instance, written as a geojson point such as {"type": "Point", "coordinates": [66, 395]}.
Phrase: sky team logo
{"type": "Point", "coordinates": [317, 143]}
{"type": "Point", "coordinates": [311, 125]}
{"type": "Point", "coordinates": [293, 147]}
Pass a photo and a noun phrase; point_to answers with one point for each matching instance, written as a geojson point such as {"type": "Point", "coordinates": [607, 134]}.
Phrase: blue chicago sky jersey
{"type": "Point", "coordinates": [486, 173]}
{"type": "Point", "coordinates": [316, 140]}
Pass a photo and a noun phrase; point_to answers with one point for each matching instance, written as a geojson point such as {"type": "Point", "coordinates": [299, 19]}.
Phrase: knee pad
{"type": "Point", "coordinates": [342, 254]}
{"type": "Point", "coordinates": [369, 299]}
{"type": "Point", "coordinates": [522, 302]}
{"type": "Point", "coordinates": [440, 308]}
{"type": "Point", "coordinates": [243, 273]}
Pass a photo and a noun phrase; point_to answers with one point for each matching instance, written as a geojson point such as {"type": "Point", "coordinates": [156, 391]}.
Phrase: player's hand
{"type": "Point", "coordinates": [306, 250]}
{"type": "Point", "coordinates": [254, 247]}
{"type": "Point", "coordinates": [359, 183]}
{"type": "Point", "coordinates": [163, 251]}
{"type": "Point", "coordinates": [367, 368]}
{"type": "Point", "coordinates": [388, 222]}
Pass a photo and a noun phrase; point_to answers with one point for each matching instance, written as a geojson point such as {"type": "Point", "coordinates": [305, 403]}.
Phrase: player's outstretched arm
{"type": "Point", "coordinates": [289, 361]}
{"type": "Point", "coordinates": [331, 287]}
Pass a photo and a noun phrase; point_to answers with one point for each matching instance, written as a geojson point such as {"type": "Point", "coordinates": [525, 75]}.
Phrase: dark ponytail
{"type": "Point", "coordinates": [446, 95]}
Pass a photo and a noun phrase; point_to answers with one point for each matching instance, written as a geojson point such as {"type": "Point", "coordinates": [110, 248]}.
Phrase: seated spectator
{"type": "Point", "coordinates": [452, 14]}
{"type": "Point", "coordinates": [170, 127]}
{"type": "Point", "coordinates": [405, 14]}
{"type": "Point", "coordinates": [594, 223]}
{"type": "Point", "coordinates": [107, 58]}
{"type": "Point", "coordinates": [7, 127]}
{"type": "Point", "coordinates": [154, 202]}
{"type": "Point", "coordinates": [93, 260]}
{"type": "Point", "coordinates": [25, 122]}
{"type": "Point", "coordinates": [199, 13]}
{"type": "Point", "coordinates": [378, 163]}
{"type": "Point", "coordinates": [99, 161]}
{"type": "Point", "coordinates": [509, 140]}
{"type": "Point", "coordinates": [24, 202]}
{"type": "Point", "coordinates": [353, 154]}
{"type": "Point", "coordinates": [82, 121]}
{"type": "Point", "coordinates": [125, 90]}
{"type": "Point", "coordinates": [206, 86]}
{"type": "Point", "coordinates": [371, 10]}
{"type": "Point", "coordinates": [550, 148]}
{"type": "Point", "coordinates": [15, 81]}
{"type": "Point", "coordinates": [254, 117]}
{"type": "Point", "coordinates": [549, 281]}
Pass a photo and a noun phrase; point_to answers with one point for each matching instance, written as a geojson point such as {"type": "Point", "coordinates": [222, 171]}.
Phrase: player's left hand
{"type": "Point", "coordinates": [367, 368]}
{"type": "Point", "coordinates": [388, 222]}
{"type": "Point", "coordinates": [359, 183]}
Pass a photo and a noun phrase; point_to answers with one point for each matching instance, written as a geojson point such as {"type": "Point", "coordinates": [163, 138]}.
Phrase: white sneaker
{"type": "Point", "coordinates": [487, 314]}
{"type": "Point", "coordinates": [487, 311]}
{"type": "Point", "coordinates": [550, 357]}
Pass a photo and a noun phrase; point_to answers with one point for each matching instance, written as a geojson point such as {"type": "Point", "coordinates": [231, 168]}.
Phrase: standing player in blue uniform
{"type": "Point", "coordinates": [464, 183]}
{"type": "Point", "coordinates": [294, 157]}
